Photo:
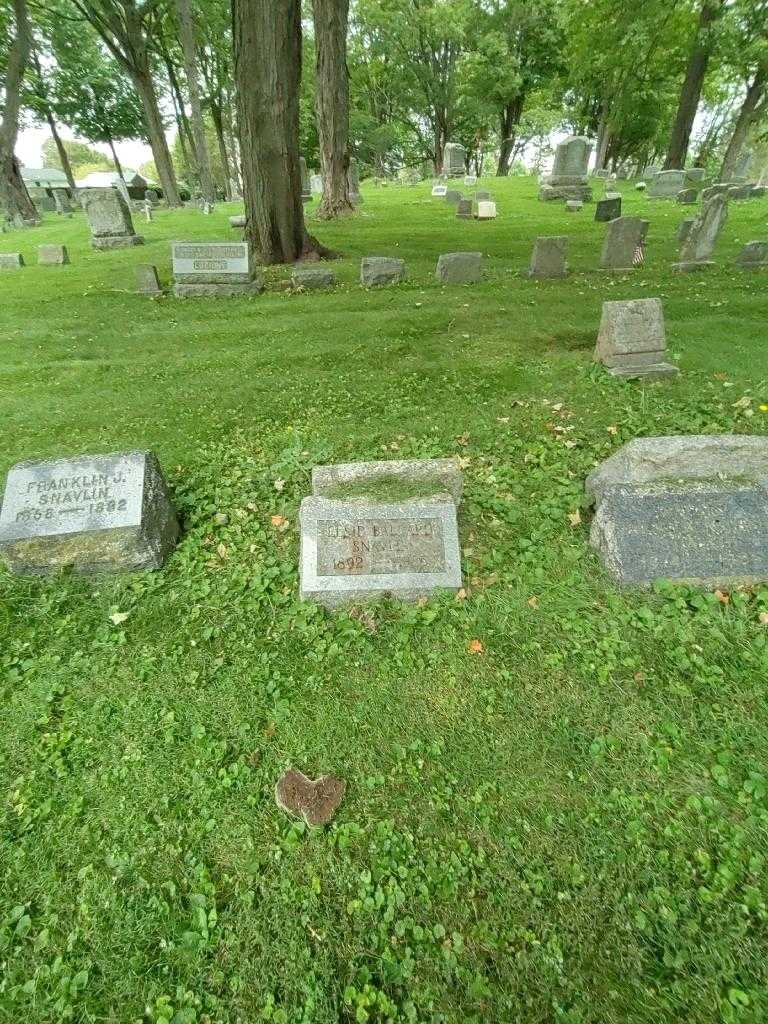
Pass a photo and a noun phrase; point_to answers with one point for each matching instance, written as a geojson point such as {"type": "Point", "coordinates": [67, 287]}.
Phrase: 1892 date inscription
{"type": "Point", "coordinates": [372, 546]}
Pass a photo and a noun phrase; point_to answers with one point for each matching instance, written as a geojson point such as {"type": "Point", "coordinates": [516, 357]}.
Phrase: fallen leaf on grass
{"type": "Point", "coordinates": [721, 597]}
{"type": "Point", "coordinates": [613, 429]}
{"type": "Point", "coordinates": [278, 521]}
{"type": "Point", "coordinates": [119, 617]}
{"type": "Point", "coordinates": [475, 647]}
{"type": "Point", "coordinates": [221, 551]}
{"type": "Point", "coordinates": [461, 595]}
{"type": "Point", "coordinates": [279, 485]}
{"type": "Point", "coordinates": [533, 602]}
{"type": "Point", "coordinates": [762, 618]}
{"type": "Point", "coordinates": [574, 518]}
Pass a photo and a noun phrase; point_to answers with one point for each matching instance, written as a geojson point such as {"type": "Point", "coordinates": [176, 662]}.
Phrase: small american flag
{"type": "Point", "coordinates": [638, 256]}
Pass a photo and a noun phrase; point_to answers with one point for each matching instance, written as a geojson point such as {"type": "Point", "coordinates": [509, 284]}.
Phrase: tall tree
{"type": "Point", "coordinates": [267, 44]}
{"type": "Point", "coordinates": [703, 44]}
{"type": "Point", "coordinates": [126, 27]}
{"type": "Point", "coordinates": [189, 49]}
{"type": "Point", "coordinates": [746, 55]}
{"type": "Point", "coordinates": [13, 192]}
{"type": "Point", "coordinates": [43, 107]}
{"type": "Point", "coordinates": [332, 104]}
{"type": "Point", "coordinates": [215, 60]}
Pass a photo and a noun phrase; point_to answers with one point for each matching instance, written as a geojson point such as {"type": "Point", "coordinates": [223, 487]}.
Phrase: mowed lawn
{"type": "Point", "coordinates": [568, 825]}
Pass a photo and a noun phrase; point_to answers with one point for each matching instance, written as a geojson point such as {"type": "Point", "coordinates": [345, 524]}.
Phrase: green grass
{"type": "Point", "coordinates": [571, 826]}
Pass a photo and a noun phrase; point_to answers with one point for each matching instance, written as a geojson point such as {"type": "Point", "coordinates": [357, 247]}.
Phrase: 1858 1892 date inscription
{"type": "Point", "coordinates": [372, 546]}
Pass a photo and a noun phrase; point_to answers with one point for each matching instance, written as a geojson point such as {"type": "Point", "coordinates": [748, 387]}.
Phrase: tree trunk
{"type": "Point", "coordinates": [332, 104]}
{"type": "Point", "coordinates": [218, 127]}
{"type": "Point", "coordinates": [747, 116]}
{"type": "Point", "coordinates": [509, 119]}
{"type": "Point", "coordinates": [115, 158]}
{"type": "Point", "coordinates": [233, 148]}
{"type": "Point", "coordinates": [267, 46]}
{"type": "Point", "coordinates": [692, 83]}
{"type": "Point", "coordinates": [189, 49]}
{"type": "Point", "coordinates": [145, 87]}
{"type": "Point", "coordinates": [66, 166]}
{"type": "Point", "coordinates": [13, 192]}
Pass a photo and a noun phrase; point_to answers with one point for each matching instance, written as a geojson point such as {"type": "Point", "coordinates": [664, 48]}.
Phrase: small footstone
{"type": "Point", "coordinates": [316, 801]}
{"type": "Point", "coordinates": [376, 271]}
{"type": "Point", "coordinates": [608, 209]}
{"type": "Point", "coordinates": [147, 282]}
{"type": "Point", "coordinates": [687, 196]}
{"type": "Point", "coordinates": [549, 257]}
{"type": "Point", "coordinates": [52, 255]}
{"type": "Point", "coordinates": [574, 205]}
{"type": "Point", "coordinates": [459, 267]}
{"type": "Point", "coordinates": [685, 227]}
{"type": "Point", "coordinates": [94, 513]}
{"type": "Point", "coordinates": [753, 256]}
{"type": "Point", "coordinates": [312, 278]}
{"type": "Point", "coordinates": [11, 260]}
{"type": "Point", "coordinates": [238, 221]}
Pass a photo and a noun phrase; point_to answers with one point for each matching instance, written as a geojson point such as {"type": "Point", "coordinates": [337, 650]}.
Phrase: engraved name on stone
{"type": "Point", "coordinates": [374, 546]}
{"type": "Point", "coordinates": [213, 257]}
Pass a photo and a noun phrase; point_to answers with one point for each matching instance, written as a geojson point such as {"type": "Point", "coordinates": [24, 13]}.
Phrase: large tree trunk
{"type": "Point", "coordinates": [195, 108]}
{"type": "Point", "coordinates": [267, 45]}
{"type": "Point", "coordinates": [690, 93]}
{"type": "Point", "coordinates": [509, 119]}
{"type": "Point", "coordinates": [13, 192]}
{"type": "Point", "coordinates": [115, 157]}
{"type": "Point", "coordinates": [218, 127]}
{"type": "Point", "coordinates": [145, 87]}
{"type": "Point", "coordinates": [747, 116]}
{"type": "Point", "coordinates": [66, 166]}
{"type": "Point", "coordinates": [332, 104]}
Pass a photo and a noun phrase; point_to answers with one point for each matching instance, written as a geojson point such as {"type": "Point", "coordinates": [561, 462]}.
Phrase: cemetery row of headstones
{"type": "Point", "coordinates": [690, 509]}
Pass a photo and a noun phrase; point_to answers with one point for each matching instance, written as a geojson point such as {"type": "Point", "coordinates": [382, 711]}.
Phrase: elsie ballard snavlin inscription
{"type": "Point", "coordinates": [103, 513]}
{"type": "Point", "coordinates": [356, 549]}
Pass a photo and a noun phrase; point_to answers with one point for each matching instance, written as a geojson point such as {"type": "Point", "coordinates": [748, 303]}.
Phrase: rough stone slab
{"type": "Point", "coordinates": [312, 278]}
{"type": "Point", "coordinates": [483, 196]}
{"type": "Point", "coordinates": [376, 271]}
{"type": "Point", "coordinates": [212, 289]}
{"type": "Point", "coordinates": [316, 801]}
{"type": "Point", "coordinates": [108, 213]}
{"type": "Point", "coordinates": [578, 193]}
{"type": "Point", "coordinates": [459, 267]}
{"type": "Point", "coordinates": [11, 261]}
{"type": "Point", "coordinates": [608, 209]}
{"type": "Point", "coordinates": [571, 161]}
{"type": "Point", "coordinates": [692, 266]}
{"type": "Point", "coordinates": [352, 550]}
{"type": "Point", "coordinates": [685, 227]}
{"type": "Point", "coordinates": [704, 534]}
{"type": "Point", "coordinates": [454, 159]}
{"type": "Point", "coordinates": [464, 209]}
{"type": "Point", "coordinates": [687, 196]}
{"type": "Point", "coordinates": [486, 210]}
{"type": "Point", "coordinates": [427, 476]}
{"type": "Point", "coordinates": [753, 256]}
{"type": "Point", "coordinates": [52, 255]}
{"type": "Point", "coordinates": [147, 282]}
{"type": "Point", "coordinates": [94, 513]}
{"type": "Point", "coordinates": [238, 221]}
{"type": "Point", "coordinates": [453, 197]}
{"type": "Point", "coordinates": [574, 205]}
{"type": "Point", "coordinates": [690, 457]}
{"type": "Point", "coordinates": [666, 185]}
{"type": "Point", "coordinates": [637, 369]}
{"type": "Point", "coordinates": [116, 241]}
{"type": "Point", "coordinates": [700, 241]}
{"type": "Point", "coordinates": [622, 238]}
{"type": "Point", "coordinates": [628, 328]}
{"type": "Point", "coordinates": [549, 257]}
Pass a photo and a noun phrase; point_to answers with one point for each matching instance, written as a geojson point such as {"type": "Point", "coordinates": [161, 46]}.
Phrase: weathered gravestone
{"type": "Point", "coordinates": [147, 282]}
{"type": "Point", "coordinates": [486, 210]}
{"type": "Point", "coordinates": [483, 196]}
{"type": "Point", "coordinates": [459, 267]}
{"type": "Point", "coordinates": [699, 244]}
{"type": "Point", "coordinates": [454, 159]}
{"type": "Point", "coordinates": [549, 257]}
{"type": "Point", "coordinates": [306, 191]}
{"type": "Point", "coordinates": [695, 174]}
{"type": "Point", "coordinates": [109, 219]}
{"type": "Point", "coordinates": [380, 528]}
{"type": "Point", "coordinates": [464, 209]}
{"type": "Point", "coordinates": [569, 179]}
{"type": "Point", "coordinates": [147, 208]}
{"type": "Point", "coordinates": [754, 256]}
{"type": "Point", "coordinates": [608, 208]}
{"type": "Point", "coordinates": [61, 199]}
{"type": "Point", "coordinates": [11, 260]}
{"type": "Point", "coordinates": [720, 188]}
{"type": "Point", "coordinates": [666, 185]}
{"type": "Point", "coordinates": [52, 255]}
{"type": "Point", "coordinates": [95, 513]}
{"type": "Point", "coordinates": [743, 165]}
{"type": "Point", "coordinates": [238, 221]}
{"type": "Point", "coordinates": [439, 190]}
{"type": "Point", "coordinates": [312, 278]}
{"type": "Point", "coordinates": [453, 197]}
{"type": "Point", "coordinates": [316, 184]}
{"type": "Point", "coordinates": [687, 196]}
{"type": "Point", "coordinates": [214, 268]}
{"type": "Point", "coordinates": [573, 205]}
{"type": "Point", "coordinates": [739, 192]}
{"type": "Point", "coordinates": [684, 228]}
{"type": "Point", "coordinates": [689, 509]}
{"type": "Point", "coordinates": [470, 180]}
{"type": "Point", "coordinates": [624, 237]}
{"type": "Point", "coordinates": [632, 340]}
{"type": "Point", "coordinates": [376, 271]}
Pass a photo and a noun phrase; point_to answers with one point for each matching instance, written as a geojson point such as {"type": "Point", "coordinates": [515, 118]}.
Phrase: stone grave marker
{"type": "Point", "coordinates": [632, 340]}
{"type": "Point", "coordinates": [459, 268]}
{"type": "Point", "coordinates": [685, 227]}
{"type": "Point", "coordinates": [453, 197]}
{"type": "Point", "coordinates": [238, 221]}
{"type": "Point", "coordinates": [147, 282]}
{"type": "Point", "coordinates": [470, 180]}
{"type": "Point", "coordinates": [486, 210]}
{"type": "Point", "coordinates": [11, 260]}
{"type": "Point", "coordinates": [483, 196]}
{"type": "Point", "coordinates": [549, 257]}
{"type": "Point", "coordinates": [573, 205]}
{"type": "Point", "coordinates": [569, 178]}
{"type": "Point", "coordinates": [147, 206]}
{"type": "Point", "coordinates": [754, 256]}
{"type": "Point", "coordinates": [381, 528]}
{"type": "Point", "coordinates": [608, 208]}
{"type": "Point", "coordinates": [109, 218]}
{"type": "Point", "coordinates": [214, 268]}
{"type": "Point", "coordinates": [687, 196]}
{"type": "Point", "coordinates": [52, 255]}
{"type": "Point", "coordinates": [695, 174]}
{"type": "Point", "coordinates": [454, 159]}
{"type": "Point", "coordinates": [61, 200]}
{"type": "Point", "coordinates": [666, 185]}
{"type": "Point", "coordinates": [439, 191]}
{"type": "Point", "coordinates": [464, 209]}
{"type": "Point", "coordinates": [689, 509]}
{"type": "Point", "coordinates": [624, 236]}
{"type": "Point", "coordinates": [316, 184]}
{"type": "Point", "coordinates": [93, 513]}
{"type": "Point", "coordinates": [306, 191]}
{"type": "Point", "coordinates": [699, 244]}
{"type": "Point", "coordinates": [312, 278]}
{"type": "Point", "coordinates": [353, 182]}
{"type": "Point", "coordinates": [719, 189]}
{"type": "Point", "coordinates": [376, 271]}
{"type": "Point", "coordinates": [741, 191]}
